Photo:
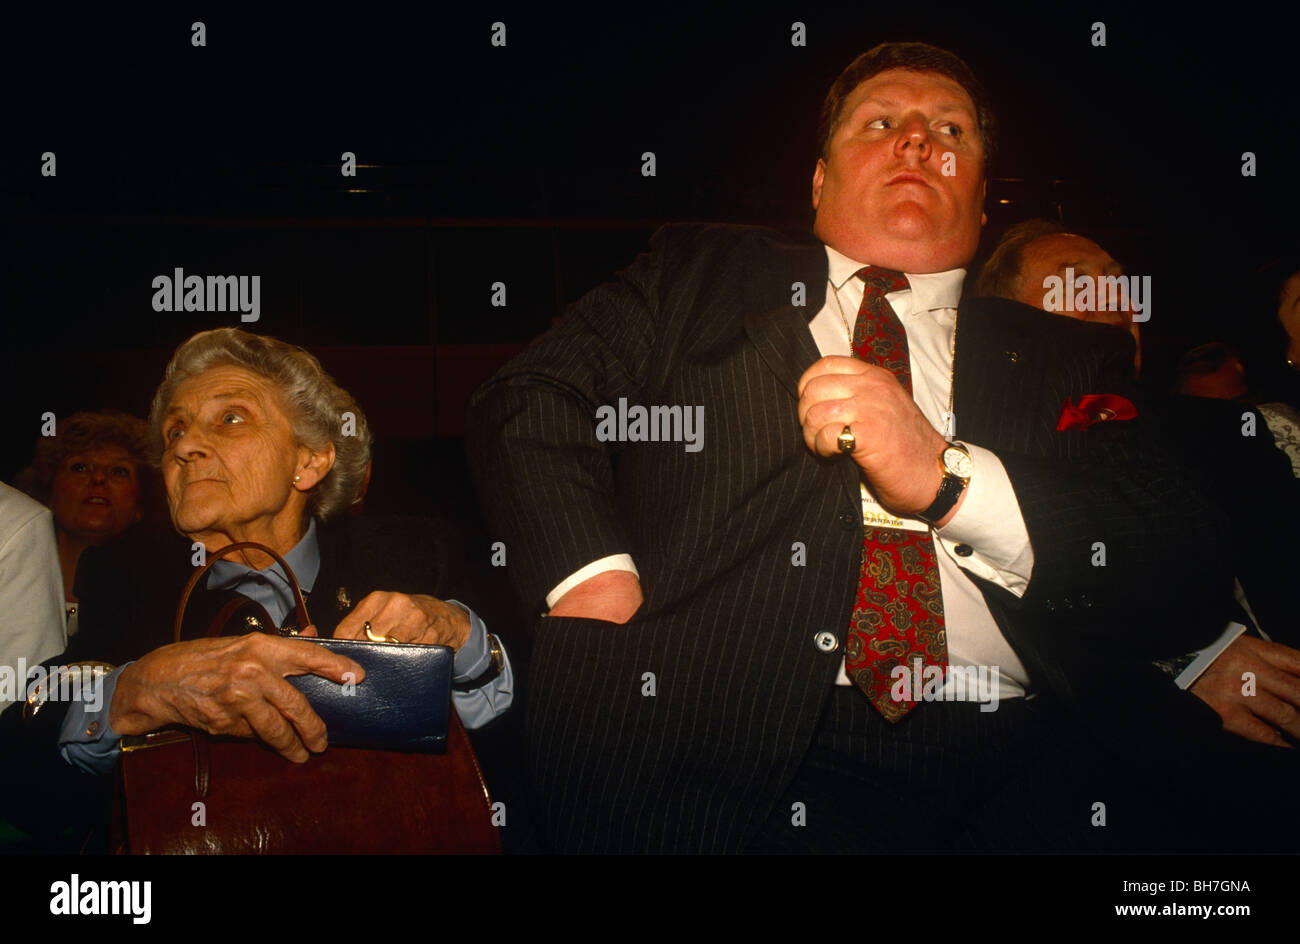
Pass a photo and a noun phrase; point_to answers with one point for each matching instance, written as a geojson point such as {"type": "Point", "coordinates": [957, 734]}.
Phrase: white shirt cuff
{"type": "Point", "coordinates": [990, 526]}
{"type": "Point", "coordinates": [1205, 657]}
{"type": "Point", "coordinates": [613, 562]}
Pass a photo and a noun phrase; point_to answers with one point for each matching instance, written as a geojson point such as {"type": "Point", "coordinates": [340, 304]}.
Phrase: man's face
{"type": "Point", "coordinates": [1052, 255]}
{"type": "Point", "coordinates": [881, 194]}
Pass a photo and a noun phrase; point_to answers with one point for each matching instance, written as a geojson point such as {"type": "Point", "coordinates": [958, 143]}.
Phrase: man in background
{"type": "Point", "coordinates": [1031, 252]}
{"type": "Point", "coordinates": [1224, 440]}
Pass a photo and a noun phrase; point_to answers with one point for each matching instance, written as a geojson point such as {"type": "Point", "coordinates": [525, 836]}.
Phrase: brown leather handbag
{"type": "Point", "coordinates": [180, 790]}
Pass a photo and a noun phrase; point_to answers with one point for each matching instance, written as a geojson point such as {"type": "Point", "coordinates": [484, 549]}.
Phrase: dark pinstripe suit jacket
{"type": "Point", "coordinates": [728, 622]}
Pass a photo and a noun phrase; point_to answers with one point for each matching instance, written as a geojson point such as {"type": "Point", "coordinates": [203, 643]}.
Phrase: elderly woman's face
{"type": "Point", "coordinates": [95, 493]}
{"type": "Point", "coordinates": [230, 453]}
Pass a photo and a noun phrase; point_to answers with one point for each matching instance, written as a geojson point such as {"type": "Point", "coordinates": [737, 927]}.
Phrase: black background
{"type": "Point", "coordinates": [522, 165]}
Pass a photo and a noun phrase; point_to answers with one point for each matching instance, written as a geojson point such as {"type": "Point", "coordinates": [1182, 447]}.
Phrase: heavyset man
{"type": "Point", "coordinates": [882, 497]}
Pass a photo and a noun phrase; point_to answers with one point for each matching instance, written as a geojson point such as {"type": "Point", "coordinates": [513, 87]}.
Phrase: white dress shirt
{"type": "Point", "coordinates": [989, 520]}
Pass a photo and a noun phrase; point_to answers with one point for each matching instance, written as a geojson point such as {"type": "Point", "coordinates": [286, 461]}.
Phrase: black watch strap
{"type": "Point", "coordinates": [950, 490]}
{"type": "Point", "coordinates": [495, 667]}
{"type": "Point", "coordinates": [950, 486]}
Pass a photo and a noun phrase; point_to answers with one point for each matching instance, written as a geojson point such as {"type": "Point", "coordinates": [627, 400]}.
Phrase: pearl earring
{"type": "Point", "coordinates": [296, 478]}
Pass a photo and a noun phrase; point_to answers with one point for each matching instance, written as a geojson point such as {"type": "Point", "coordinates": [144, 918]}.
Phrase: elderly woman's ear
{"type": "Point", "coordinates": [313, 466]}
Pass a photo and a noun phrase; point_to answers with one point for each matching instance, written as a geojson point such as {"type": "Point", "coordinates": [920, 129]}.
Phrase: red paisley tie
{"type": "Point", "coordinates": [898, 613]}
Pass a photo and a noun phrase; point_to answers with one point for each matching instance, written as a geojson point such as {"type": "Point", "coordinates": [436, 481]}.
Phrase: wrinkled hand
{"type": "Point", "coordinates": [897, 448]}
{"type": "Point", "coordinates": [230, 686]}
{"type": "Point", "coordinates": [407, 618]}
{"type": "Point", "coordinates": [613, 596]}
{"type": "Point", "coordinates": [1274, 707]}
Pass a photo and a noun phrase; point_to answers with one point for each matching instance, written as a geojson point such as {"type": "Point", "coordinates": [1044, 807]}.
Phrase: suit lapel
{"type": "Point", "coordinates": [784, 342]}
{"type": "Point", "coordinates": [778, 329]}
{"type": "Point", "coordinates": [997, 371]}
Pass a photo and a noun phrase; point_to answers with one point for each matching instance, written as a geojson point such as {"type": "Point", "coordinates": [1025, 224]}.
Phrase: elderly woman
{"type": "Point", "coordinates": [259, 444]}
{"type": "Point", "coordinates": [96, 476]}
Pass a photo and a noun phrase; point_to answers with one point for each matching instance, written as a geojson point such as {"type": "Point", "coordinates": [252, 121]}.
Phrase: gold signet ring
{"type": "Point", "coordinates": [846, 440]}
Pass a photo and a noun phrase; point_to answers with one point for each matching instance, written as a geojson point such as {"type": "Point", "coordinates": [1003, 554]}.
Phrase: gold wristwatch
{"type": "Point", "coordinates": [955, 464]}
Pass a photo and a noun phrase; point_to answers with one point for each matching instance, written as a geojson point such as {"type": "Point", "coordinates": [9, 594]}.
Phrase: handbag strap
{"type": "Point", "coordinates": [202, 760]}
{"type": "Point", "coordinates": [200, 738]}
{"type": "Point", "coordinates": [300, 603]}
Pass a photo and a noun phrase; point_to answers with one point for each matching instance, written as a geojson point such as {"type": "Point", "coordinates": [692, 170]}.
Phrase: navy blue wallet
{"type": "Point", "coordinates": [402, 704]}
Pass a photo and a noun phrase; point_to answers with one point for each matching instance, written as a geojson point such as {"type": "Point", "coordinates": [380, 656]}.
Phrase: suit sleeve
{"type": "Point", "coordinates": [1233, 453]}
{"type": "Point", "coordinates": [545, 477]}
{"type": "Point", "coordinates": [1121, 536]}
{"type": "Point", "coordinates": [1263, 497]}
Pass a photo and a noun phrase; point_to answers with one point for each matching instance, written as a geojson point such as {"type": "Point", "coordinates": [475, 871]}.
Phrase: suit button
{"type": "Point", "coordinates": [826, 642]}
{"type": "Point", "coordinates": [1085, 601]}
{"type": "Point", "coordinates": [1049, 605]}
{"type": "Point", "coordinates": [964, 550]}
{"type": "Point", "coordinates": [1067, 603]}
{"type": "Point", "coordinates": [848, 520]}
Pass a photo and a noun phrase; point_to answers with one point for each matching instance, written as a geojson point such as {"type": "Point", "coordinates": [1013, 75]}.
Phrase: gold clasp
{"type": "Point", "coordinates": [373, 637]}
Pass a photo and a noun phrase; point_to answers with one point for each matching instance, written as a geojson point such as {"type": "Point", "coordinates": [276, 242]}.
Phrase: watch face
{"type": "Point", "coordinates": [957, 461]}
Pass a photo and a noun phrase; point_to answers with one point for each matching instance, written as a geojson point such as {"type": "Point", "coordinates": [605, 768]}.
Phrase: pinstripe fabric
{"type": "Point", "coordinates": [728, 623]}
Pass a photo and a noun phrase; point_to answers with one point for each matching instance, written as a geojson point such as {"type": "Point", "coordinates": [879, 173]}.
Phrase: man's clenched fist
{"type": "Point", "coordinates": [896, 446]}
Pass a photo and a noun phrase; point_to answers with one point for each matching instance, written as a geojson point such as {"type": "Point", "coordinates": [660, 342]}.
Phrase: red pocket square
{"type": "Point", "coordinates": [1094, 408]}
